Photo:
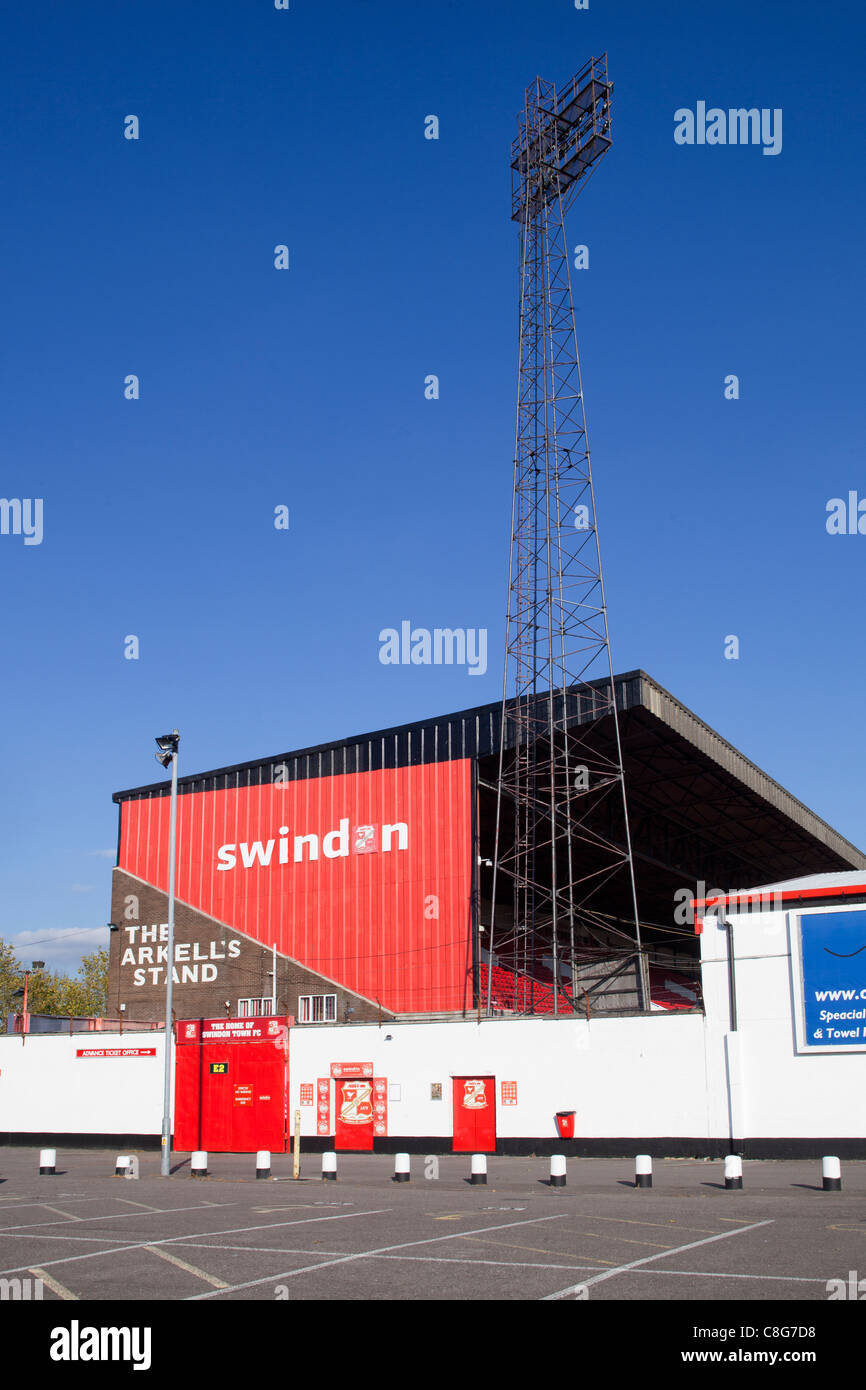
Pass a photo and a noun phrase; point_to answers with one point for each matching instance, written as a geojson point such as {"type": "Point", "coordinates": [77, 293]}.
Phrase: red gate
{"type": "Point", "coordinates": [231, 1084]}
{"type": "Point", "coordinates": [474, 1114]}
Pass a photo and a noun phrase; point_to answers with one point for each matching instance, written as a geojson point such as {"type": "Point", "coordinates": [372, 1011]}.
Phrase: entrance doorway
{"type": "Point", "coordinates": [231, 1085]}
{"type": "Point", "coordinates": [474, 1100]}
{"type": "Point", "coordinates": [354, 1113]}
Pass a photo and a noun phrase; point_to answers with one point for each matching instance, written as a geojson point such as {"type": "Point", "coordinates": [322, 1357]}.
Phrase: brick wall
{"type": "Point", "coordinates": [213, 963]}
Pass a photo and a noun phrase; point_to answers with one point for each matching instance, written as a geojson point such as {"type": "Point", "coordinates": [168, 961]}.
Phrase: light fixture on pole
{"type": "Point", "coordinates": [22, 994]}
{"type": "Point", "coordinates": [167, 755]}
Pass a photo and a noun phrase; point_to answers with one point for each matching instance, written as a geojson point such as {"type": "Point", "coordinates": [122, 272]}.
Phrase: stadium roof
{"type": "Point", "coordinates": [698, 808]}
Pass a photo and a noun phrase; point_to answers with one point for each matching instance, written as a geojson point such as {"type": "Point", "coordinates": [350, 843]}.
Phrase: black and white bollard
{"type": "Point", "coordinates": [557, 1170]}
{"type": "Point", "coordinates": [401, 1168]}
{"type": "Point", "coordinates": [263, 1163]}
{"type": "Point", "coordinates": [47, 1162]}
{"type": "Point", "coordinates": [831, 1175]}
{"type": "Point", "coordinates": [122, 1165]}
{"type": "Point", "coordinates": [478, 1169]}
{"type": "Point", "coordinates": [329, 1167]}
{"type": "Point", "coordinates": [643, 1171]}
{"type": "Point", "coordinates": [733, 1173]}
{"type": "Point", "coordinates": [198, 1164]}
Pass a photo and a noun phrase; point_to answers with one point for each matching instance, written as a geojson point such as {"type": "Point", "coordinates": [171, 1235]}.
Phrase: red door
{"type": "Point", "coordinates": [230, 1095]}
{"type": "Point", "coordinates": [474, 1114]}
{"type": "Point", "coordinates": [354, 1123]}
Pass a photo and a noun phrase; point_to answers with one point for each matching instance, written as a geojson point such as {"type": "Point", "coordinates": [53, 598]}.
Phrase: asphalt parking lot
{"type": "Point", "coordinates": [91, 1236]}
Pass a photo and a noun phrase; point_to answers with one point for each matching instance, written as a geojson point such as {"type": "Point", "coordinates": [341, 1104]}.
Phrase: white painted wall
{"type": "Point", "coordinates": [783, 1092]}
{"type": "Point", "coordinates": [624, 1077]}
{"type": "Point", "coordinates": [45, 1088]}
{"type": "Point", "coordinates": [666, 1075]}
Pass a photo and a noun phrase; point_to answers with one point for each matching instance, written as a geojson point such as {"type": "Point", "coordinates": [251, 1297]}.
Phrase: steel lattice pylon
{"type": "Point", "coordinates": [554, 774]}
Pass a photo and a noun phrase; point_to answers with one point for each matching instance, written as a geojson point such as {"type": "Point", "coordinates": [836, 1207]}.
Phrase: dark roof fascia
{"type": "Point", "coordinates": [634, 688]}
{"type": "Point", "coordinates": [460, 717]}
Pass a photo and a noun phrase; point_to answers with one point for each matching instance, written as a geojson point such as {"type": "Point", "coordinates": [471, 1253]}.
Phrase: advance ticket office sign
{"type": "Point", "coordinates": [831, 979]}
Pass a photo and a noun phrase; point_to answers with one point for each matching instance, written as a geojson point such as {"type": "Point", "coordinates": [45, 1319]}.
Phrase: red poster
{"type": "Point", "coordinates": [353, 1128]}
{"type": "Point", "coordinates": [306, 1093]}
{"type": "Point", "coordinates": [323, 1105]}
{"type": "Point", "coordinates": [380, 1105]}
{"type": "Point", "coordinates": [508, 1090]}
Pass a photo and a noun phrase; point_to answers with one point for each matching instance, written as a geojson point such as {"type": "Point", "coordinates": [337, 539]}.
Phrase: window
{"type": "Point", "coordinates": [255, 1008]}
{"type": "Point", "coordinates": [317, 1008]}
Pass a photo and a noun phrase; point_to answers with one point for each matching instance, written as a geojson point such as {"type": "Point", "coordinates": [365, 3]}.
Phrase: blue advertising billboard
{"type": "Point", "coordinates": [833, 952]}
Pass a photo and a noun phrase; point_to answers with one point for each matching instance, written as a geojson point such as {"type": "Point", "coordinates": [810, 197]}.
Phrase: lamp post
{"type": "Point", "coordinates": [18, 993]}
{"type": "Point", "coordinates": [167, 745]}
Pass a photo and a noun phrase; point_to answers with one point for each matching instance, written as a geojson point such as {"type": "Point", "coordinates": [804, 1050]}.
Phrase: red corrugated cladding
{"type": "Point", "coordinates": [391, 923]}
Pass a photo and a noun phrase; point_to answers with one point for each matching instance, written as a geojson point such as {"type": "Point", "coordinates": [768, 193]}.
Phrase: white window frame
{"type": "Point", "coordinates": [307, 1008]}
{"type": "Point", "coordinates": [255, 1008]}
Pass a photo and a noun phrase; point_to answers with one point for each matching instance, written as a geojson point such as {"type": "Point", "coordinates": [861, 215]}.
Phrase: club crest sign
{"type": "Point", "coordinates": [357, 1105]}
{"type": "Point", "coordinates": [474, 1095]}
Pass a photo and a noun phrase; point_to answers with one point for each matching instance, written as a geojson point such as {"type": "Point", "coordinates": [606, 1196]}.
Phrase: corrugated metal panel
{"type": "Point", "coordinates": [475, 733]}
{"type": "Point", "coordinates": [392, 924]}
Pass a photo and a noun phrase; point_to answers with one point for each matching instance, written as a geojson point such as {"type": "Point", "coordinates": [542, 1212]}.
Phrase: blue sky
{"type": "Point", "coordinates": [306, 387]}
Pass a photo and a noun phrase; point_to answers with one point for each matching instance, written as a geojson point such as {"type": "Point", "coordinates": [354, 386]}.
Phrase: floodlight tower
{"type": "Point", "coordinates": [562, 820]}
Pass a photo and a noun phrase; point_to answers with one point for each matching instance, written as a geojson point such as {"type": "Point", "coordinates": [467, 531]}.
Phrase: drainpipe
{"type": "Point", "coordinates": [732, 977]}
{"type": "Point", "coordinates": [733, 1053]}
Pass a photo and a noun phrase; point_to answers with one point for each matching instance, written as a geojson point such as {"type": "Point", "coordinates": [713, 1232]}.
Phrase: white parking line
{"type": "Point", "coordinates": [258, 1249]}
{"type": "Point", "coordinates": [499, 1264]}
{"type": "Point", "coordinates": [421, 1259]}
{"type": "Point", "coordinates": [70, 1197]}
{"type": "Point", "coordinates": [382, 1250]}
{"type": "Point", "coordinates": [114, 1216]}
{"type": "Point", "coordinates": [28, 1235]}
{"type": "Point", "coordinates": [197, 1235]}
{"type": "Point", "coordinates": [648, 1259]}
{"type": "Point", "coordinates": [507, 1264]}
{"type": "Point", "coordinates": [721, 1274]}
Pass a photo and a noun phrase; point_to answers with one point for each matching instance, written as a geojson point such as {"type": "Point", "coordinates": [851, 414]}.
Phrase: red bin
{"type": "Point", "coordinates": [565, 1123]}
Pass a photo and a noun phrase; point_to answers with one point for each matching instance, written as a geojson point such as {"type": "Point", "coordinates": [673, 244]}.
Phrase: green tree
{"type": "Point", "coordinates": [11, 978]}
{"type": "Point", "coordinates": [44, 992]}
{"type": "Point", "coordinates": [87, 993]}
{"type": "Point", "coordinates": [53, 992]}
